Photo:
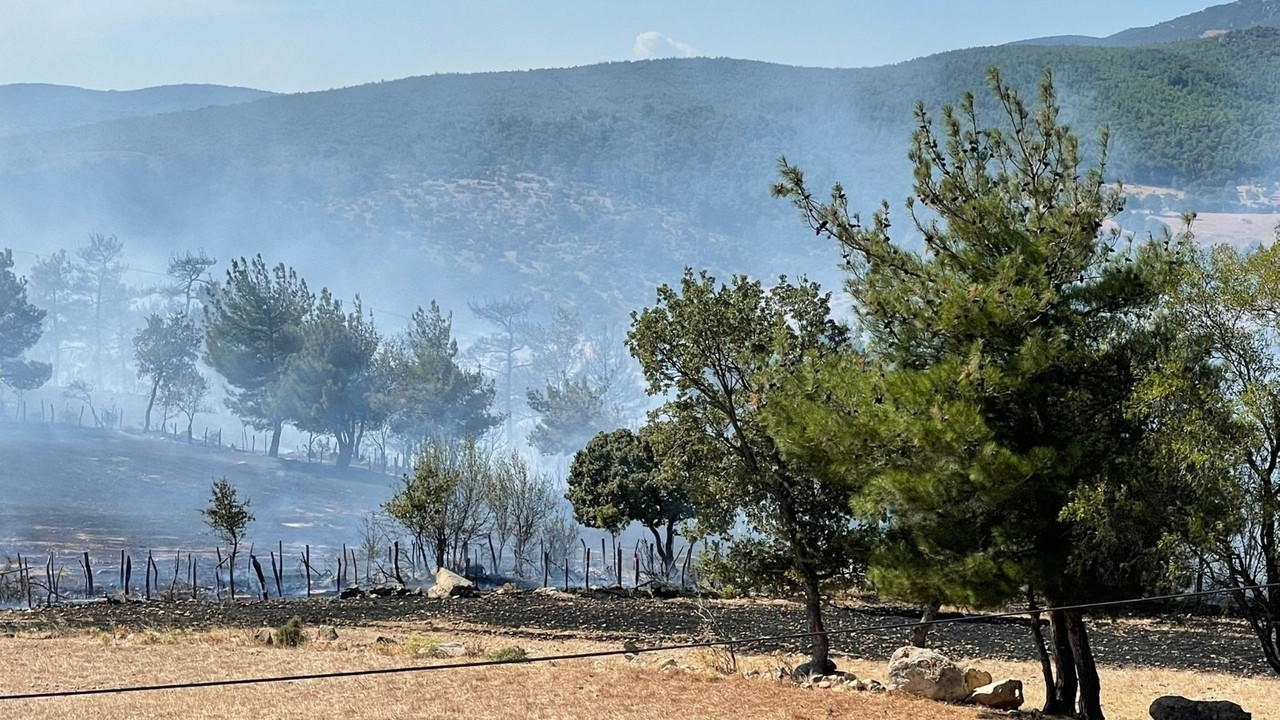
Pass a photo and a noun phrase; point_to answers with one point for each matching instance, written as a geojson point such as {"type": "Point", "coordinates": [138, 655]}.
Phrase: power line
{"type": "Point", "coordinates": [604, 653]}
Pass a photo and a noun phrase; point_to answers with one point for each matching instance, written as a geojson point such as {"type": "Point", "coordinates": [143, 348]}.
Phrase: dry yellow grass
{"type": "Point", "coordinates": [602, 688]}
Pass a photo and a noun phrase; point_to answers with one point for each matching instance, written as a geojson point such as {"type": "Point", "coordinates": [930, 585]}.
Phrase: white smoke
{"type": "Point", "coordinates": [653, 44]}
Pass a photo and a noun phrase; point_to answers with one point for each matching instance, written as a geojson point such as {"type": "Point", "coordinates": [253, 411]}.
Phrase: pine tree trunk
{"type": "Point", "coordinates": [1062, 701]}
{"type": "Point", "coordinates": [1090, 707]}
{"type": "Point", "coordinates": [819, 657]}
{"type": "Point", "coordinates": [276, 429]}
{"type": "Point", "coordinates": [920, 633]}
{"type": "Point", "coordinates": [1046, 663]}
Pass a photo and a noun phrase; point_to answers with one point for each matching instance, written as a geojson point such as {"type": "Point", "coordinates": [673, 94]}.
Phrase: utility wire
{"type": "Point", "coordinates": [606, 653]}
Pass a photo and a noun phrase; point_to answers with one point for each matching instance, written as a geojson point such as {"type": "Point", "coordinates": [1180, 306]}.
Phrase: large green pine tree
{"type": "Point", "coordinates": [253, 325]}
{"type": "Point", "coordinates": [1017, 456]}
{"type": "Point", "coordinates": [331, 382]}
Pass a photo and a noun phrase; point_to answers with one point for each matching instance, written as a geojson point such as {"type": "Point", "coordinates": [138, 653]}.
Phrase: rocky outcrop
{"type": "Point", "coordinates": [926, 673]}
{"type": "Point", "coordinates": [450, 584]}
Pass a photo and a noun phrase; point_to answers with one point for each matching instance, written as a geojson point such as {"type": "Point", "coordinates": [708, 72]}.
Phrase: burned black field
{"type": "Point", "coordinates": [1182, 642]}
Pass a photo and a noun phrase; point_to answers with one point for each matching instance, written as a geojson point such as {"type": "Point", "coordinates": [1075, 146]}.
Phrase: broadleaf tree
{"type": "Point", "coordinates": [717, 351]}
{"type": "Point", "coordinates": [618, 479]}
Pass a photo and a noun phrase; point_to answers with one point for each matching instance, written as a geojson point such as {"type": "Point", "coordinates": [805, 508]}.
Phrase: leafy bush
{"type": "Point", "coordinates": [291, 633]}
{"type": "Point", "coordinates": [506, 654]}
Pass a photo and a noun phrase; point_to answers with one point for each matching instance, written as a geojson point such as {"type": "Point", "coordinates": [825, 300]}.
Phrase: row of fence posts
{"type": "Point", "coordinates": [347, 574]}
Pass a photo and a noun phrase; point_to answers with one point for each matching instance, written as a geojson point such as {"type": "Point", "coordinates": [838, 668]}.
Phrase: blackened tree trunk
{"type": "Point", "coordinates": [1062, 700]}
{"type": "Point", "coordinates": [920, 633]}
{"type": "Point", "coordinates": [276, 429]}
{"type": "Point", "coordinates": [151, 401]}
{"type": "Point", "coordinates": [819, 657]}
{"type": "Point", "coordinates": [1090, 707]}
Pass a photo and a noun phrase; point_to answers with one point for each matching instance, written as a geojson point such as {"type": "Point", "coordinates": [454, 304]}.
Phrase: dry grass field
{"type": "Point", "coordinates": [611, 687]}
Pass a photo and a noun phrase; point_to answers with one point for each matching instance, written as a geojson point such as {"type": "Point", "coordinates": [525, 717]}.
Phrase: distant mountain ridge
{"type": "Point", "coordinates": [37, 107]}
{"type": "Point", "coordinates": [590, 185]}
{"type": "Point", "coordinates": [1218, 19]}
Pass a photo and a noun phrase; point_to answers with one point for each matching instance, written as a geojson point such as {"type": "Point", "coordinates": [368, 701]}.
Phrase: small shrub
{"type": "Point", "coordinates": [422, 645]}
{"type": "Point", "coordinates": [506, 654]}
{"type": "Point", "coordinates": [290, 634]}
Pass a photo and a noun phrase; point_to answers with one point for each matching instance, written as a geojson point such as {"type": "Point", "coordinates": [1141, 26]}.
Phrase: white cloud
{"type": "Point", "coordinates": [654, 44]}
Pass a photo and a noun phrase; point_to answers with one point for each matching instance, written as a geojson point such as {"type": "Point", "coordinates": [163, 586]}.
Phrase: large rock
{"type": "Point", "coordinates": [1175, 707]}
{"type": "Point", "coordinates": [926, 673]}
{"type": "Point", "coordinates": [1003, 695]}
{"type": "Point", "coordinates": [450, 584]}
{"type": "Point", "coordinates": [975, 678]}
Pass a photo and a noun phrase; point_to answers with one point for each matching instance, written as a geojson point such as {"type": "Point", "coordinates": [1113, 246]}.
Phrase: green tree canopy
{"type": "Point", "coordinates": [718, 352]}
{"type": "Point", "coordinates": [428, 394]}
{"type": "Point", "coordinates": [253, 325]}
{"type": "Point", "coordinates": [19, 329]}
{"type": "Point", "coordinates": [330, 384]}
{"type": "Point", "coordinates": [1013, 348]}
{"type": "Point", "coordinates": [166, 351]}
{"type": "Point", "coordinates": [616, 480]}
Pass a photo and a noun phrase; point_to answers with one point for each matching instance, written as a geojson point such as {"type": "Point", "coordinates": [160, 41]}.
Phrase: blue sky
{"type": "Point", "coordinates": [295, 46]}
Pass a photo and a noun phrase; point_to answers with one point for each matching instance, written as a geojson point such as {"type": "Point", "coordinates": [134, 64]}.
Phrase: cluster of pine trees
{"type": "Point", "coordinates": [1032, 407]}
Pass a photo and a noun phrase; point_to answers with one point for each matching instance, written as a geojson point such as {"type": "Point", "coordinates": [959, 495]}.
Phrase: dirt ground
{"type": "Point", "coordinates": [694, 685]}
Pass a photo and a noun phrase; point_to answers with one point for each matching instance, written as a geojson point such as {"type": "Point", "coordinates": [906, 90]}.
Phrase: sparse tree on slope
{"type": "Point", "coordinates": [252, 327]}
{"type": "Point", "coordinates": [52, 289]}
{"type": "Point", "coordinates": [190, 274]}
{"type": "Point", "coordinates": [19, 330]}
{"type": "Point", "coordinates": [100, 281]}
{"type": "Point", "coordinates": [228, 516]}
{"type": "Point", "coordinates": [165, 350]}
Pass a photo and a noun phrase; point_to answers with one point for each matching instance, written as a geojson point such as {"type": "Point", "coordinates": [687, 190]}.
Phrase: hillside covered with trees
{"type": "Point", "coordinates": [542, 179]}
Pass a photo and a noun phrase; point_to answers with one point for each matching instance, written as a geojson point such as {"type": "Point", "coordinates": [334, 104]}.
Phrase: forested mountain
{"type": "Point", "coordinates": [34, 107]}
{"type": "Point", "coordinates": [1215, 20]}
{"type": "Point", "coordinates": [591, 184]}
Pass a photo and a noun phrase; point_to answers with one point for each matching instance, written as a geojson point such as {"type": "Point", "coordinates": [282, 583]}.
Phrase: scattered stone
{"type": "Point", "coordinates": [349, 593]}
{"type": "Point", "coordinates": [451, 649]}
{"type": "Point", "coordinates": [326, 633]}
{"type": "Point", "coordinates": [1175, 707]}
{"type": "Point", "coordinates": [450, 584]}
{"type": "Point", "coordinates": [506, 589]}
{"type": "Point", "coordinates": [824, 684]}
{"type": "Point", "coordinates": [876, 686]}
{"type": "Point", "coordinates": [975, 678]}
{"type": "Point", "coordinates": [1003, 695]}
{"type": "Point", "coordinates": [264, 636]}
{"type": "Point", "coordinates": [553, 593]}
{"type": "Point", "coordinates": [926, 673]}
